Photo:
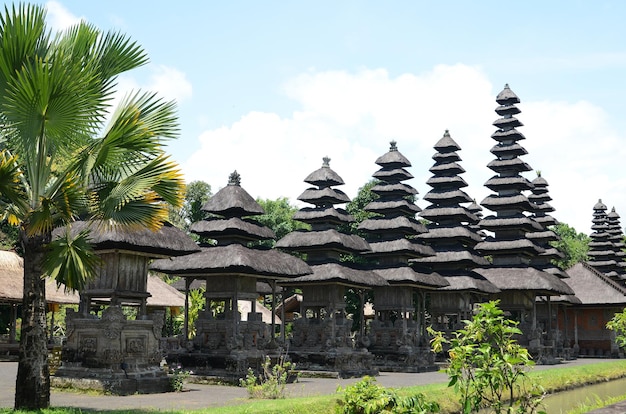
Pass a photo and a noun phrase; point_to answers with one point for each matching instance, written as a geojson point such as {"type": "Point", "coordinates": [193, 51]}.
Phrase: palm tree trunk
{"type": "Point", "coordinates": [32, 387]}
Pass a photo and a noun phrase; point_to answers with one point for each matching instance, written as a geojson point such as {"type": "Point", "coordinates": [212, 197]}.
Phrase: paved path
{"type": "Point", "coordinates": [200, 396]}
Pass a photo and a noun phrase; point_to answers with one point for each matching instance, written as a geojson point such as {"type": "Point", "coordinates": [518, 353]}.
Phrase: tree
{"type": "Point", "coordinates": [572, 244]}
{"type": "Point", "coordinates": [487, 365]}
{"type": "Point", "coordinates": [617, 324]}
{"type": "Point", "coordinates": [58, 163]}
{"type": "Point", "coordinates": [196, 194]}
{"type": "Point", "coordinates": [279, 217]}
{"type": "Point", "coordinates": [356, 207]}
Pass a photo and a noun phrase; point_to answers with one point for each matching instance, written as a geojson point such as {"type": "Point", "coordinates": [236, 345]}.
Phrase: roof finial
{"type": "Point", "coordinates": [234, 178]}
{"type": "Point", "coordinates": [326, 162]}
{"type": "Point", "coordinates": [393, 146]}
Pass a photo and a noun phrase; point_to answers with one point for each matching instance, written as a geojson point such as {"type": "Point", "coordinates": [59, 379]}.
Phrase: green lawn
{"type": "Point", "coordinates": [553, 380]}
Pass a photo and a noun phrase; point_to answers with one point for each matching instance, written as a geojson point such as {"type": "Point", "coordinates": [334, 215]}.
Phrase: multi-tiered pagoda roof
{"type": "Point", "coordinates": [601, 250]}
{"type": "Point", "coordinates": [231, 226]}
{"type": "Point", "coordinates": [391, 229]}
{"type": "Point", "coordinates": [324, 245]}
{"type": "Point", "coordinates": [510, 249]}
{"type": "Point", "coordinates": [449, 230]}
{"type": "Point", "coordinates": [540, 199]}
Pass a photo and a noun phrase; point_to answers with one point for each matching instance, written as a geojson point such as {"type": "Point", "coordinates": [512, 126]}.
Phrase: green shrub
{"type": "Point", "coordinates": [366, 397]}
{"type": "Point", "coordinates": [271, 381]}
{"type": "Point", "coordinates": [177, 378]}
{"type": "Point", "coordinates": [488, 367]}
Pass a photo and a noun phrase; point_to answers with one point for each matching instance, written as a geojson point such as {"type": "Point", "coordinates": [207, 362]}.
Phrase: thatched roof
{"type": "Point", "coordinates": [319, 196]}
{"type": "Point", "coordinates": [593, 287]}
{"type": "Point", "coordinates": [406, 276]}
{"type": "Point", "coordinates": [525, 278]}
{"type": "Point", "coordinates": [402, 246]}
{"type": "Point", "coordinates": [165, 242]}
{"type": "Point", "coordinates": [329, 239]}
{"type": "Point", "coordinates": [393, 158]}
{"type": "Point", "coordinates": [233, 201]}
{"type": "Point", "coordinates": [234, 259]}
{"type": "Point", "coordinates": [457, 233]}
{"type": "Point", "coordinates": [466, 281]}
{"type": "Point", "coordinates": [12, 285]}
{"type": "Point", "coordinates": [12, 282]}
{"type": "Point", "coordinates": [454, 257]}
{"type": "Point", "coordinates": [396, 174]}
{"type": "Point", "coordinates": [335, 273]}
{"type": "Point", "coordinates": [385, 189]}
{"type": "Point", "coordinates": [162, 294]}
{"type": "Point", "coordinates": [323, 215]}
{"type": "Point", "coordinates": [400, 224]}
{"type": "Point", "coordinates": [324, 176]}
{"type": "Point", "coordinates": [216, 228]}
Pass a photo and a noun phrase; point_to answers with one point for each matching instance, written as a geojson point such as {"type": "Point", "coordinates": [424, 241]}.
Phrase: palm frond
{"type": "Point", "coordinates": [23, 35]}
{"type": "Point", "coordinates": [71, 260]}
{"type": "Point", "coordinates": [12, 190]}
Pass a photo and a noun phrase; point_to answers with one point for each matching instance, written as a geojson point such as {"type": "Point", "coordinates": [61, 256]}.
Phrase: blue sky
{"type": "Point", "coordinates": [269, 88]}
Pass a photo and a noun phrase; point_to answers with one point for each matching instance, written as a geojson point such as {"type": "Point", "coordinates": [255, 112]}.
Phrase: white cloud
{"type": "Point", "coordinates": [351, 117]}
{"type": "Point", "coordinates": [59, 18]}
{"type": "Point", "coordinates": [170, 83]}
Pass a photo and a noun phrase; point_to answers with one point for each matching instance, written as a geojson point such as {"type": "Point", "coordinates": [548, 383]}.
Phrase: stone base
{"type": "Point", "coordinates": [408, 360]}
{"type": "Point", "coordinates": [118, 382]}
{"type": "Point", "coordinates": [346, 363]}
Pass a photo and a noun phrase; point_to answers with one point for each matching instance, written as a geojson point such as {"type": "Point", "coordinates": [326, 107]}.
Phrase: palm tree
{"type": "Point", "coordinates": [58, 162]}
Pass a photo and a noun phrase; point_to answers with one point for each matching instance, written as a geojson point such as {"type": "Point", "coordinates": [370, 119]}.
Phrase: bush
{"type": "Point", "coordinates": [487, 365]}
{"type": "Point", "coordinates": [366, 397]}
{"type": "Point", "coordinates": [177, 378]}
{"type": "Point", "coordinates": [271, 382]}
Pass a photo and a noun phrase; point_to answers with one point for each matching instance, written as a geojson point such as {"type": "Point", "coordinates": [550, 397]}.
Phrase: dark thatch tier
{"type": "Point", "coordinates": [233, 201]}
{"type": "Point", "coordinates": [525, 278]}
{"type": "Point", "coordinates": [339, 274]}
{"type": "Point", "coordinates": [233, 260]}
{"type": "Point", "coordinates": [165, 242]}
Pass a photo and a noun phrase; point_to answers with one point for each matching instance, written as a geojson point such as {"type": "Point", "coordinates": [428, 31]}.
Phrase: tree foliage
{"type": "Point", "coordinates": [356, 207]}
{"type": "Point", "coordinates": [59, 162]}
{"type": "Point", "coordinates": [617, 324]}
{"type": "Point", "coordinates": [196, 193]}
{"type": "Point", "coordinates": [572, 244]}
{"type": "Point", "coordinates": [279, 217]}
{"type": "Point", "coordinates": [487, 365]}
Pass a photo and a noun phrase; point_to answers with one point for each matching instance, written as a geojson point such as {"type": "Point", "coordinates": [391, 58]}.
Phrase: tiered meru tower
{"type": "Point", "coordinates": [321, 337]}
{"type": "Point", "coordinates": [617, 237]}
{"type": "Point", "coordinates": [453, 235]}
{"type": "Point", "coordinates": [225, 343]}
{"type": "Point", "coordinates": [511, 251]}
{"type": "Point", "coordinates": [605, 249]}
{"type": "Point", "coordinates": [397, 334]}
{"type": "Point", "coordinates": [601, 253]}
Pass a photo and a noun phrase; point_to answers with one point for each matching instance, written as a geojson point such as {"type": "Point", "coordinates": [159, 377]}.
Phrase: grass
{"type": "Point", "coordinates": [552, 379]}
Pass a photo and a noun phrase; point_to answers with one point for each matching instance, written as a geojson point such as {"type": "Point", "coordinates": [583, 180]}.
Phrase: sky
{"type": "Point", "coordinates": [270, 88]}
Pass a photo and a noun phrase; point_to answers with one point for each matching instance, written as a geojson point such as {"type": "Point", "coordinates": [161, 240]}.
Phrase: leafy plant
{"type": "Point", "coordinates": [487, 366]}
{"type": "Point", "coordinates": [618, 325]}
{"type": "Point", "coordinates": [271, 382]}
{"type": "Point", "coordinates": [366, 397]}
{"type": "Point", "coordinates": [177, 378]}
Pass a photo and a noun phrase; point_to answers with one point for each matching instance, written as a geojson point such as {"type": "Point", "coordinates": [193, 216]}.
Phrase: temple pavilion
{"type": "Point", "coordinates": [224, 344]}
{"type": "Point", "coordinates": [322, 337]}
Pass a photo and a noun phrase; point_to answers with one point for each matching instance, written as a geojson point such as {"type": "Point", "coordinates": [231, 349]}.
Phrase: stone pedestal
{"type": "Point", "coordinates": [112, 353]}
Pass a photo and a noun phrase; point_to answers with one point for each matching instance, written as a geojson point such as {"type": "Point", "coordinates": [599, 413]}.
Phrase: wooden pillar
{"type": "Point", "coordinates": [273, 285]}
{"type": "Point", "coordinates": [362, 313]}
{"type": "Point", "coordinates": [12, 328]}
{"type": "Point", "coordinates": [186, 324]}
{"type": "Point", "coordinates": [283, 333]}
